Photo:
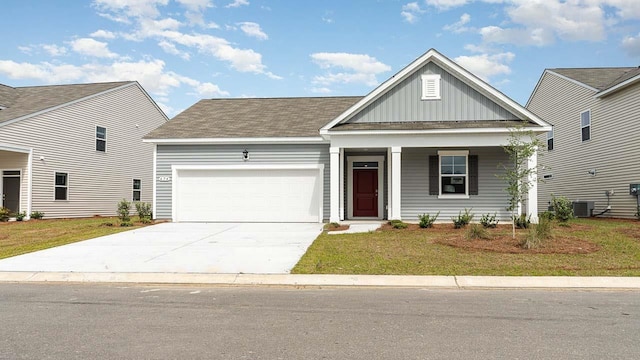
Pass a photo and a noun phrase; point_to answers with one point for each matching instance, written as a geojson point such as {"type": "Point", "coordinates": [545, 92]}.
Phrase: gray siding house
{"type": "Point", "coordinates": [426, 140]}
{"type": "Point", "coordinates": [75, 150]}
{"type": "Point", "coordinates": [592, 149]}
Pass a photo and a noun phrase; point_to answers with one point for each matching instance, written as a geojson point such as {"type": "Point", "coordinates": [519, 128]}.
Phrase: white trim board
{"type": "Point", "coordinates": [245, 140]}
{"type": "Point", "coordinates": [357, 158]}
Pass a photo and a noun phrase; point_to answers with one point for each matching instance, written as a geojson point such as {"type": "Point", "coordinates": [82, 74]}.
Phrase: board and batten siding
{"type": "Point", "coordinates": [459, 102]}
{"type": "Point", "coordinates": [65, 139]}
{"type": "Point", "coordinates": [17, 161]}
{"type": "Point", "coordinates": [168, 155]}
{"type": "Point", "coordinates": [491, 198]}
{"type": "Point", "coordinates": [612, 150]}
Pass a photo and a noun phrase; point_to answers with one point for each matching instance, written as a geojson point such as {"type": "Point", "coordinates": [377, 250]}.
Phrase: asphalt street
{"type": "Point", "coordinates": [100, 321]}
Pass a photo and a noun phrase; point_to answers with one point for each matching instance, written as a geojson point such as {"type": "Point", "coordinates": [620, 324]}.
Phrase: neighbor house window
{"type": "Point", "coordinates": [585, 125]}
{"type": "Point", "coordinates": [431, 87]}
{"type": "Point", "coordinates": [137, 189]}
{"type": "Point", "coordinates": [453, 173]}
{"type": "Point", "coordinates": [550, 140]}
{"type": "Point", "coordinates": [61, 186]}
{"type": "Point", "coordinates": [101, 138]}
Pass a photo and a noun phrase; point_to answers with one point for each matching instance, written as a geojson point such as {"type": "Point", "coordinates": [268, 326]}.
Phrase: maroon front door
{"type": "Point", "coordinates": [365, 192]}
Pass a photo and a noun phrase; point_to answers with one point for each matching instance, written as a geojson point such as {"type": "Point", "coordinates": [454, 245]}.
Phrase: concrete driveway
{"type": "Point", "coordinates": [264, 248]}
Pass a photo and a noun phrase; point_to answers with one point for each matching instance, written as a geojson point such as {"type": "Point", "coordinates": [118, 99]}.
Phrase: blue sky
{"type": "Point", "coordinates": [185, 50]}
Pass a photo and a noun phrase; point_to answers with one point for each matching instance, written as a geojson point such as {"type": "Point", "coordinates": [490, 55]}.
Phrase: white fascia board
{"type": "Point", "coordinates": [14, 148]}
{"type": "Point", "coordinates": [540, 129]}
{"type": "Point", "coordinates": [250, 167]}
{"type": "Point", "coordinates": [451, 140]}
{"type": "Point", "coordinates": [276, 140]}
{"type": "Point", "coordinates": [618, 87]}
{"type": "Point", "coordinates": [5, 123]}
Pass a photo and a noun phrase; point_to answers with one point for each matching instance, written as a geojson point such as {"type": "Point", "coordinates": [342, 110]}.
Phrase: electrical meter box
{"type": "Point", "coordinates": [634, 189]}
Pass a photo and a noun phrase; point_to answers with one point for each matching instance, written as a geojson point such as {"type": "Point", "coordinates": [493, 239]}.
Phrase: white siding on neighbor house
{"type": "Point", "coordinates": [612, 150]}
{"type": "Point", "coordinates": [168, 155]}
{"type": "Point", "coordinates": [491, 198]}
{"type": "Point", "coordinates": [459, 102]}
{"type": "Point", "coordinates": [65, 139]}
{"type": "Point", "coordinates": [17, 161]}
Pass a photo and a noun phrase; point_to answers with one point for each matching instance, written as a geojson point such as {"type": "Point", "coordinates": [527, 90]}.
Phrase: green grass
{"type": "Point", "coordinates": [27, 236]}
{"type": "Point", "coordinates": [405, 252]}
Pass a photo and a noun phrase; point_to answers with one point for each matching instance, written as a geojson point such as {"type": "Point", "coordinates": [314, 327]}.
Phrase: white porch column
{"type": "Point", "coordinates": [341, 181]}
{"type": "Point", "coordinates": [334, 155]}
{"type": "Point", "coordinates": [532, 196]}
{"type": "Point", "coordinates": [396, 207]}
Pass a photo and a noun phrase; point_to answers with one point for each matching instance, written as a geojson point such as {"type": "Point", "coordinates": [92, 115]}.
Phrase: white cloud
{"type": "Point", "coordinates": [238, 3]}
{"type": "Point", "coordinates": [360, 68]}
{"type": "Point", "coordinates": [54, 50]}
{"type": "Point", "coordinates": [447, 4]}
{"type": "Point", "coordinates": [173, 50]}
{"type": "Point", "coordinates": [486, 66]}
{"type": "Point", "coordinates": [26, 49]}
{"type": "Point", "coordinates": [208, 90]}
{"type": "Point", "coordinates": [252, 29]}
{"type": "Point", "coordinates": [625, 9]}
{"type": "Point", "coordinates": [410, 12]}
{"type": "Point", "coordinates": [91, 47]}
{"type": "Point", "coordinates": [459, 26]}
{"type": "Point", "coordinates": [122, 10]}
{"type": "Point", "coordinates": [195, 11]}
{"type": "Point", "coordinates": [632, 45]}
{"type": "Point", "coordinates": [103, 34]}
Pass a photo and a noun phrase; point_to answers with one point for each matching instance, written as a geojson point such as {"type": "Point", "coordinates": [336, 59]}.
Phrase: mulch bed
{"type": "Point", "coordinates": [501, 241]}
{"type": "Point", "coordinates": [337, 228]}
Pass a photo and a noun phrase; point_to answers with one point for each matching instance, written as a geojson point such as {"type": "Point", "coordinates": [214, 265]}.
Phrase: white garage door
{"type": "Point", "coordinates": [249, 194]}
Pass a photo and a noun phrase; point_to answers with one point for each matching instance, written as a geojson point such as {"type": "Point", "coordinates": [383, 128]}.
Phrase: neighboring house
{"type": "Point", "coordinates": [593, 148]}
{"type": "Point", "coordinates": [426, 140]}
{"type": "Point", "coordinates": [75, 150]}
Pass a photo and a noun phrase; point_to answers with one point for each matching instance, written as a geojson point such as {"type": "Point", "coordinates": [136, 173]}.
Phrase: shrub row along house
{"type": "Point", "coordinates": [428, 139]}
{"type": "Point", "coordinates": [75, 150]}
{"type": "Point", "coordinates": [592, 148]}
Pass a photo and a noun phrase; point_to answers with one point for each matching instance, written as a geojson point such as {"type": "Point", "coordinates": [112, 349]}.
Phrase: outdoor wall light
{"type": "Point", "coordinates": [245, 155]}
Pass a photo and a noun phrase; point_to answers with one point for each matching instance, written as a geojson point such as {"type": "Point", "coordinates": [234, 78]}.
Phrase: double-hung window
{"type": "Point", "coordinates": [585, 125]}
{"type": "Point", "coordinates": [454, 176]}
{"type": "Point", "coordinates": [137, 189]}
{"type": "Point", "coordinates": [550, 140]}
{"type": "Point", "coordinates": [101, 138]}
{"type": "Point", "coordinates": [61, 186]}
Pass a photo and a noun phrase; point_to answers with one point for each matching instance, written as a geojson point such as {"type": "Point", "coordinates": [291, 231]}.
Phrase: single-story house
{"type": "Point", "coordinates": [427, 140]}
{"type": "Point", "coordinates": [75, 150]}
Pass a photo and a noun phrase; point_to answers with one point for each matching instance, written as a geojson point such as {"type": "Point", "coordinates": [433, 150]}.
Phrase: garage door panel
{"type": "Point", "coordinates": [284, 195]}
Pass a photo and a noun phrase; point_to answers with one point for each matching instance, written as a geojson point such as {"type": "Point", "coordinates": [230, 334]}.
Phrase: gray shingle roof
{"type": "Point", "coordinates": [257, 117]}
{"type": "Point", "coordinates": [599, 78]}
{"type": "Point", "coordinates": [428, 125]}
{"type": "Point", "coordinates": [22, 101]}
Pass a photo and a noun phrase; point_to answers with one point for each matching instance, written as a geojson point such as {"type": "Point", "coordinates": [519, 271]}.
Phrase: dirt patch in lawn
{"type": "Point", "coordinates": [500, 239]}
{"type": "Point", "coordinates": [338, 227]}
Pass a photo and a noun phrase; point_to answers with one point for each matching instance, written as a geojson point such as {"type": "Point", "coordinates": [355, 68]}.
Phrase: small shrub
{"type": "Point", "coordinates": [20, 216]}
{"type": "Point", "coordinates": [489, 221]}
{"type": "Point", "coordinates": [463, 219]}
{"type": "Point", "coordinates": [547, 215]}
{"type": "Point", "coordinates": [144, 212]}
{"type": "Point", "coordinates": [426, 220]}
{"type": "Point", "coordinates": [37, 215]}
{"type": "Point", "coordinates": [108, 224]}
{"type": "Point", "coordinates": [126, 223]}
{"type": "Point", "coordinates": [123, 211]}
{"type": "Point", "coordinates": [538, 233]}
{"type": "Point", "coordinates": [523, 221]}
{"type": "Point", "coordinates": [563, 208]}
{"type": "Point", "coordinates": [398, 224]}
{"type": "Point", "coordinates": [477, 232]}
{"type": "Point", "coordinates": [4, 214]}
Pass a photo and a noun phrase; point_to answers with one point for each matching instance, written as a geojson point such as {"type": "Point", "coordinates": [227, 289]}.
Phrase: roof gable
{"type": "Point", "coordinates": [595, 78]}
{"type": "Point", "coordinates": [450, 67]}
{"type": "Point", "coordinates": [31, 100]}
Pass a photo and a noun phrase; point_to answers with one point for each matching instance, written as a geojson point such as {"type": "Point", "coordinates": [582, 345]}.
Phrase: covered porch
{"type": "Point", "coordinates": [15, 178]}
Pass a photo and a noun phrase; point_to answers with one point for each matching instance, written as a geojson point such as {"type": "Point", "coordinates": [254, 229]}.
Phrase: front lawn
{"type": "Point", "coordinates": [609, 248]}
{"type": "Point", "coordinates": [22, 237]}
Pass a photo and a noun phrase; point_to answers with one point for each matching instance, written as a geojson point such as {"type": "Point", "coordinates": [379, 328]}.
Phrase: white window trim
{"type": "Point", "coordinates": [19, 176]}
{"type": "Point", "coordinates": [56, 186]}
{"type": "Point", "coordinates": [133, 189]}
{"type": "Point", "coordinates": [582, 127]}
{"type": "Point", "coordinates": [426, 79]}
{"type": "Point", "coordinates": [464, 153]}
{"type": "Point", "coordinates": [97, 138]}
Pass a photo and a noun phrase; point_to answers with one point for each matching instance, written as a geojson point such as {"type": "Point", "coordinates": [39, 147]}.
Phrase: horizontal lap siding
{"type": "Point", "coordinates": [612, 150]}
{"type": "Point", "coordinates": [415, 186]}
{"type": "Point", "coordinates": [168, 155]}
{"type": "Point", "coordinates": [458, 102]}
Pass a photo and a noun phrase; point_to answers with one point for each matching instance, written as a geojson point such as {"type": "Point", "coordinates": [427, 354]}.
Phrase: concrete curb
{"type": "Point", "coordinates": [441, 282]}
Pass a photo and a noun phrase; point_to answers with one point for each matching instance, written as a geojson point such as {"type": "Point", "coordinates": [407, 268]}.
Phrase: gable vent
{"type": "Point", "coordinates": [431, 87]}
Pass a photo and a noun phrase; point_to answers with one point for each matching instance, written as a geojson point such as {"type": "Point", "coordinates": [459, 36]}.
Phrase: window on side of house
{"type": "Point", "coordinates": [137, 189]}
{"type": "Point", "coordinates": [431, 87]}
{"type": "Point", "coordinates": [101, 138]}
{"type": "Point", "coordinates": [585, 125]}
{"type": "Point", "coordinates": [550, 140]}
{"type": "Point", "coordinates": [61, 186]}
{"type": "Point", "coordinates": [453, 173]}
